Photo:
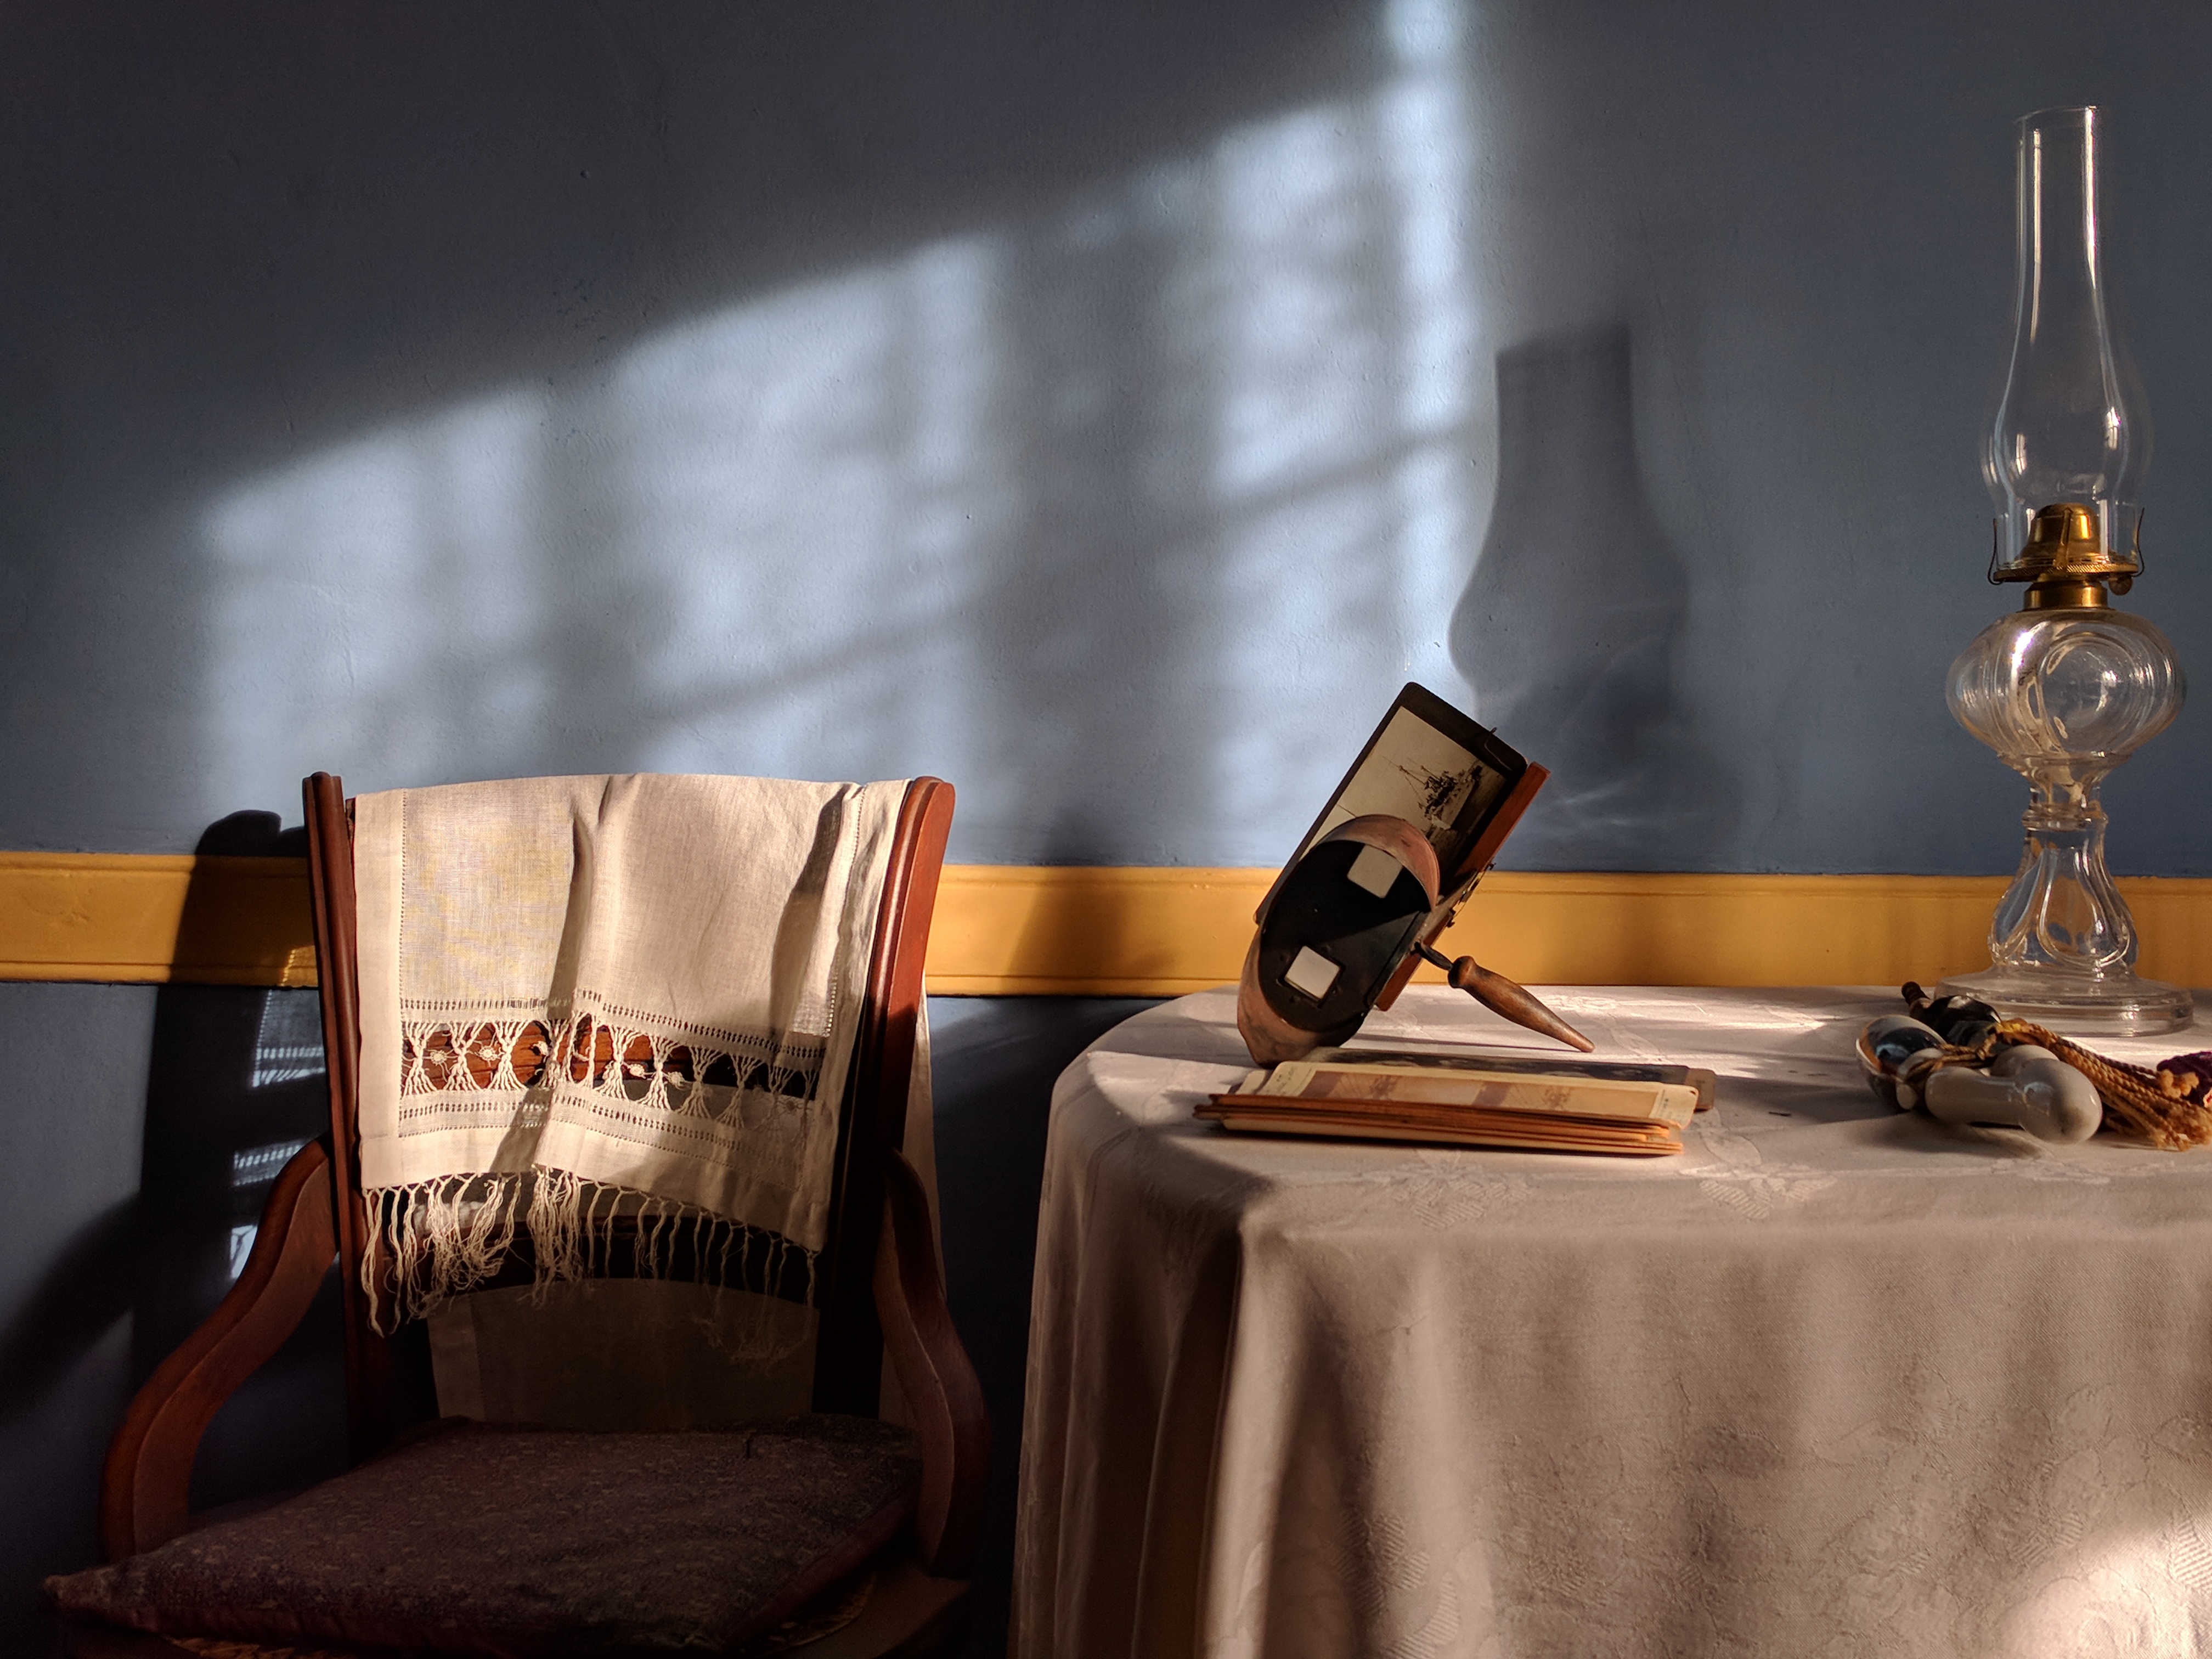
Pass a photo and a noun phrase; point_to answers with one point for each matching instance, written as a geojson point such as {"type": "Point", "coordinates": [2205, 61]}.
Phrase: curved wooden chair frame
{"type": "Point", "coordinates": [881, 1291]}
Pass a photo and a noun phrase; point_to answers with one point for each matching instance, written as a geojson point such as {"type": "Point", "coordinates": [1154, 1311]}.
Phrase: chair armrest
{"type": "Point", "coordinates": [933, 1374]}
{"type": "Point", "coordinates": [145, 1485]}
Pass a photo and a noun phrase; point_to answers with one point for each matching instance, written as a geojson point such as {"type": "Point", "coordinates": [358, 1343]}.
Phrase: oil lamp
{"type": "Point", "coordinates": [2069, 686]}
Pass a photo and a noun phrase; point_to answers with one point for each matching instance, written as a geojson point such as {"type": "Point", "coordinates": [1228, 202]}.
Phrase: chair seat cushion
{"type": "Point", "coordinates": [491, 1539]}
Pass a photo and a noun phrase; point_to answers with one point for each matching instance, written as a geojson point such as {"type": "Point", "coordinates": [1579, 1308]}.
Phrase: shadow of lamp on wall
{"type": "Point", "coordinates": [1571, 629]}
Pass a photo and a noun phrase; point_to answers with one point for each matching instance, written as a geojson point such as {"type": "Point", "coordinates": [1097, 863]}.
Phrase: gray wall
{"type": "Point", "coordinates": [1103, 406]}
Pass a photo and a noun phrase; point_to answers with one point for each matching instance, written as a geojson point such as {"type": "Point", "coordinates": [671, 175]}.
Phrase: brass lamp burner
{"type": "Point", "coordinates": [2066, 564]}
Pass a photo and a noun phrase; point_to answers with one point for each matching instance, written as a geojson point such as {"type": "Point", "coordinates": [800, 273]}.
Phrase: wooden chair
{"type": "Point", "coordinates": [879, 1287]}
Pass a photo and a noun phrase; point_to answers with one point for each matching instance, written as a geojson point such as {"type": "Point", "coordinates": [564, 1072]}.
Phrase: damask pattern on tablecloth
{"type": "Point", "coordinates": [1835, 1382]}
{"type": "Point", "coordinates": [1444, 1190]}
{"type": "Point", "coordinates": [1737, 1177]}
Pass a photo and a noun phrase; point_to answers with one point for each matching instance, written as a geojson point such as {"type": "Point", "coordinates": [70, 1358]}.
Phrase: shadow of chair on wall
{"type": "Point", "coordinates": [234, 1085]}
{"type": "Point", "coordinates": [1571, 628]}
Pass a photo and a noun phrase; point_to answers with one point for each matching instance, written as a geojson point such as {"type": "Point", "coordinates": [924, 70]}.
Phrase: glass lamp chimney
{"type": "Point", "coordinates": [2067, 432]}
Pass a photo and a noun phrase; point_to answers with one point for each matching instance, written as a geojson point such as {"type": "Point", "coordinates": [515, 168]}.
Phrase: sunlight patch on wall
{"type": "Point", "coordinates": [382, 606]}
{"type": "Point", "coordinates": [288, 1042]}
{"type": "Point", "coordinates": [1128, 515]}
{"type": "Point", "coordinates": [740, 550]}
{"type": "Point", "coordinates": [809, 495]}
{"type": "Point", "coordinates": [1347, 429]}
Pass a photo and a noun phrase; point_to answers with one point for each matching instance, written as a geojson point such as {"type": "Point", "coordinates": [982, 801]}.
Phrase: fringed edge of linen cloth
{"type": "Point", "coordinates": [438, 1239]}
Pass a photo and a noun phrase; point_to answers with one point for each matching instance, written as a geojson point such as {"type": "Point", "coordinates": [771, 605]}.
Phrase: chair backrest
{"type": "Point", "coordinates": [872, 1115]}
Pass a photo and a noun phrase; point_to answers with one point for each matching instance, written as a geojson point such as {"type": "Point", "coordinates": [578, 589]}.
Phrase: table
{"type": "Point", "coordinates": [1836, 1380]}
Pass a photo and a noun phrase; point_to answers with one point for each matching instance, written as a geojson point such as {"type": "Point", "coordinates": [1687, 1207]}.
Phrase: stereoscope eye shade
{"type": "Point", "coordinates": [1398, 846]}
{"type": "Point", "coordinates": [1340, 923]}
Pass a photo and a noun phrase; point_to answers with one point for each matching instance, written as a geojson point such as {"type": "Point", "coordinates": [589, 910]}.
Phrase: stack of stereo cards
{"type": "Point", "coordinates": [1470, 1100]}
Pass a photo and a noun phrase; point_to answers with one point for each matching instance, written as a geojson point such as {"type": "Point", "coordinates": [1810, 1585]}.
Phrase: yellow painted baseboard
{"type": "Point", "coordinates": [133, 919]}
{"type": "Point", "coordinates": [1006, 930]}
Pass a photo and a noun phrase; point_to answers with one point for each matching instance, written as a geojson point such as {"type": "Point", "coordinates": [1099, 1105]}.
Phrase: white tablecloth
{"type": "Point", "coordinates": [1837, 1380]}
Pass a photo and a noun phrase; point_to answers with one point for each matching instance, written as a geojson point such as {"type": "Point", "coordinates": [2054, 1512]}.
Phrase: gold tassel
{"type": "Point", "coordinates": [2145, 1102]}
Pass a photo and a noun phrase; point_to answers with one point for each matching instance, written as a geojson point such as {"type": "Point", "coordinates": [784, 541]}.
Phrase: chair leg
{"type": "Point", "coordinates": [106, 1642]}
{"type": "Point", "coordinates": [909, 1615]}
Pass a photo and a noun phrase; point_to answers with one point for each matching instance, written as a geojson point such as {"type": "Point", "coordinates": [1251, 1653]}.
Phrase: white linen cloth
{"type": "Point", "coordinates": [1835, 1381]}
{"type": "Point", "coordinates": [581, 994]}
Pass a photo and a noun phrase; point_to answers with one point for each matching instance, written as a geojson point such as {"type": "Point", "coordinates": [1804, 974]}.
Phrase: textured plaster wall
{"type": "Point", "coordinates": [1105, 406]}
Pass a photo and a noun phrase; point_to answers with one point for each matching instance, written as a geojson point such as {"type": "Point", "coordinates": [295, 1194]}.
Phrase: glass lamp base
{"type": "Point", "coordinates": [2094, 1005]}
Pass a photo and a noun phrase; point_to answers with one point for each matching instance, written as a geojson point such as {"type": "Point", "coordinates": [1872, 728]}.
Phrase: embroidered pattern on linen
{"type": "Point", "coordinates": [656, 1082]}
{"type": "Point", "coordinates": [479, 1067]}
{"type": "Point", "coordinates": [608, 1015]}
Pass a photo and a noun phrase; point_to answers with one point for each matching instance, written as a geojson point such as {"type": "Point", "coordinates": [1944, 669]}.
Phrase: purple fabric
{"type": "Point", "coordinates": [2193, 1071]}
{"type": "Point", "coordinates": [515, 1541]}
